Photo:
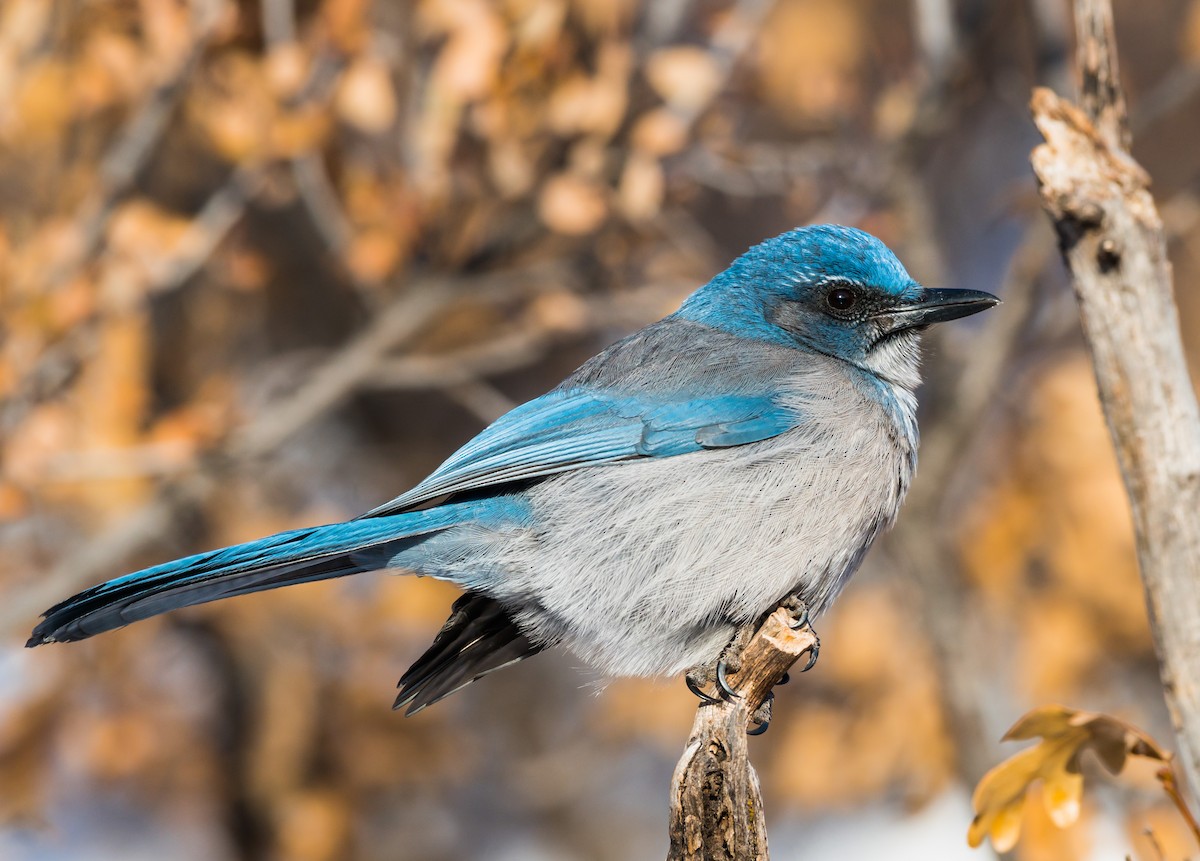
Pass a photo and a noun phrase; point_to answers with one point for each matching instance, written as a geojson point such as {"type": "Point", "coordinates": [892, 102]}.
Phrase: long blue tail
{"type": "Point", "coordinates": [297, 556]}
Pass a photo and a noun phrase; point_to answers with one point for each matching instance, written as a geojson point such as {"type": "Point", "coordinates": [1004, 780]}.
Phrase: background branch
{"type": "Point", "coordinates": [1113, 240]}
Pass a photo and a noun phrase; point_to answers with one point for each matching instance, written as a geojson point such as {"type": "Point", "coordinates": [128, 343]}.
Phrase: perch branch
{"type": "Point", "coordinates": [716, 804]}
{"type": "Point", "coordinates": [1113, 241]}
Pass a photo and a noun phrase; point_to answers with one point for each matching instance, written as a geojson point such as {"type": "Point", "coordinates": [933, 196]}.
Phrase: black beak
{"type": "Point", "coordinates": [936, 306]}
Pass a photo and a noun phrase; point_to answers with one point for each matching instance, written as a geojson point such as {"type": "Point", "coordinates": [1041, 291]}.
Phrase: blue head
{"type": "Point", "coordinates": [835, 290]}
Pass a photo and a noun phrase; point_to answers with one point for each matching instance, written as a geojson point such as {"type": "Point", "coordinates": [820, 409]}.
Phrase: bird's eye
{"type": "Point", "coordinates": [841, 299]}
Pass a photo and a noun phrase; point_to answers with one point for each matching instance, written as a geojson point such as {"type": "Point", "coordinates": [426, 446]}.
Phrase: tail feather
{"type": "Point", "coordinates": [297, 556]}
{"type": "Point", "coordinates": [480, 637]}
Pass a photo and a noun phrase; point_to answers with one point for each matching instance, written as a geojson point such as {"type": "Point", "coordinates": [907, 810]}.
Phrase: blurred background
{"type": "Point", "coordinates": [265, 263]}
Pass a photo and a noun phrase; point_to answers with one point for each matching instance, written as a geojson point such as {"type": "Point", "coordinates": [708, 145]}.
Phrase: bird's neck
{"type": "Point", "coordinates": [898, 400]}
{"type": "Point", "coordinates": [738, 312]}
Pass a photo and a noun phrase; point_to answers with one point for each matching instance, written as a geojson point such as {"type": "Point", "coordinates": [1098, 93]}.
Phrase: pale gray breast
{"type": "Point", "coordinates": [634, 560]}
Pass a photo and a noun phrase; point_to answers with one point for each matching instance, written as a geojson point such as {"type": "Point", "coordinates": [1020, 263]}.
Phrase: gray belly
{"type": "Point", "coordinates": [647, 567]}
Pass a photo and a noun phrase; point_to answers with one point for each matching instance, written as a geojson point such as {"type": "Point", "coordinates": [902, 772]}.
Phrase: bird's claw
{"type": "Point", "coordinates": [813, 651]}
{"type": "Point", "coordinates": [723, 687]}
{"type": "Point", "coordinates": [762, 716]}
{"type": "Point", "coordinates": [693, 685]}
{"type": "Point", "coordinates": [797, 607]}
{"type": "Point", "coordinates": [730, 662]}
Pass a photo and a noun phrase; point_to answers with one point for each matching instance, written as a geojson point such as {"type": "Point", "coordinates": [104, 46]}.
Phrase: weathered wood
{"type": "Point", "coordinates": [1113, 241]}
{"type": "Point", "coordinates": [716, 804]}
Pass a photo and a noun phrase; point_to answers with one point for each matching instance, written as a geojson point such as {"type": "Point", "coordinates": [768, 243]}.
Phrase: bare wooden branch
{"type": "Point", "coordinates": [1100, 92]}
{"type": "Point", "coordinates": [1113, 241]}
{"type": "Point", "coordinates": [716, 804]}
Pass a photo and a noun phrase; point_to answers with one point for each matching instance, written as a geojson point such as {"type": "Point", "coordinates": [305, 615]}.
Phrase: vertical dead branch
{"type": "Point", "coordinates": [1112, 238]}
{"type": "Point", "coordinates": [716, 804]}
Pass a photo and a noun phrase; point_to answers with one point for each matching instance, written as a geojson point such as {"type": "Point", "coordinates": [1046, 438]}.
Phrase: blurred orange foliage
{"type": "Point", "coordinates": [264, 264]}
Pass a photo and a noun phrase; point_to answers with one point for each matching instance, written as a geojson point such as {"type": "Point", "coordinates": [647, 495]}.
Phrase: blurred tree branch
{"type": "Point", "coordinates": [1113, 241]}
{"type": "Point", "coordinates": [347, 371]}
{"type": "Point", "coordinates": [716, 803]}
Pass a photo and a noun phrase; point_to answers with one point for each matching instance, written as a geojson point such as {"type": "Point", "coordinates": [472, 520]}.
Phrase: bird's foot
{"type": "Point", "coordinates": [696, 679]}
{"type": "Point", "coordinates": [729, 663]}
{"type": "Point", "coordinates": [797, 608]}
{"type": "Point", "coordinates": [762, 716]}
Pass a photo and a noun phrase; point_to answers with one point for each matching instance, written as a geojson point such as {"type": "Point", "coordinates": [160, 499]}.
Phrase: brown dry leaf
{"type": "Point", "coordinates": [1066, 734]}
{"type": "Point", "coordinates": [56, 242]}
{"type": "Point", "coordinates": [582, 104]}
{"type": "Point", "coordinates": [234, 107]}
{"type": "Point", "coordinates": [23, 24]}
{"type": "Point", "coordinates": [365, 96]}
{"type": "Point", "coordinates": [686, 77]}
{"type": "Point", "coordinates": [572, 205]}
{"type": "Point", "coordinates": [374, 254]}
{"type": "Point", "coordinates": [44, 102]}
{"type": "Point", "coordinates": [299, 131]}
{"type": "Point", "coordinates": [640, 193]}
{"type": "Point", "coordinates": [896, 109]}
{"type": "Point", "coordinates": [659, 132]}
{"type": "Point", "coordinates": [287, 69]}
{"type": "Point", "coordinates": [167, 34]}
{"type": "Point", "coordinates": [466, 68]}
{"type": "Point", "coordinates": [559, 311]}
{"type": "Point", "coordinates": [606, 17]}
{"type": "Point", "coordinates": [347, 24]}
{"type": "Point", "coordinates": [537, 23]}
{"type": "Point", "coordinates": [510, 168]}
{"type": "Point", "coordinates": [142, 230]}
{"type": "Point", "coordinates": [108, 72]}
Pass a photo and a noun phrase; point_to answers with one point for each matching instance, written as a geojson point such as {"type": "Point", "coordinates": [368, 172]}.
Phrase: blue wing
{"type": "Point", "coordinates": [569, 428]}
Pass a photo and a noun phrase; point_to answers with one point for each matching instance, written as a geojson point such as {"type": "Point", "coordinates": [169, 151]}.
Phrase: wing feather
{"type": "Point", "coordinates": [570, 428]}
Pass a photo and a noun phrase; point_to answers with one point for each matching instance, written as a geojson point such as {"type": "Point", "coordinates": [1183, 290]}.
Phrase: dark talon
{"type": "Point", "coordinates": [723, 687]}
{"type": "Point", "coordinates": [813, 652]}
{"type": "Point", "coordinates": [803, 620]}
{"type": "Point", "coordinates": [694, 687]}
{"type": "Point", "coordinates": [762, 715]}
{"type": "Point", "coordinates": [787, 677]}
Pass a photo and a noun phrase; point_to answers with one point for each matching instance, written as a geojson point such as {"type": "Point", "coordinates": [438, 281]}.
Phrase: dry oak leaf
{"type": "Point", "coordinates": [1066, 734]}
{"type": "Point", "coordinates": [572, 205]}
{"type": "Point", "coordinates": [686, 77]}
{"type": "Point", "coordinates": [365, 98]}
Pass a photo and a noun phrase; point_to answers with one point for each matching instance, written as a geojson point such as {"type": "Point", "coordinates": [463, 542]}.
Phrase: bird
{"type": "Point", "coordinates": [646, 513]}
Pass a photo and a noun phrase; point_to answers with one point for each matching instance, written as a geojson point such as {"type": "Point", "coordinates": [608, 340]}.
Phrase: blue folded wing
{"type": "Point", "coordinates": [569, 428]}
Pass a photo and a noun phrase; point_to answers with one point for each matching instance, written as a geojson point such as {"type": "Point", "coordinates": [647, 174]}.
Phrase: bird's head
{"type": "Point", "coordinates": [835, 290]}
